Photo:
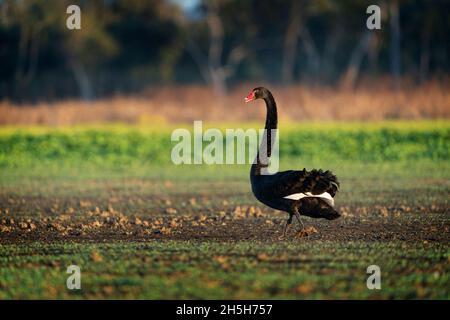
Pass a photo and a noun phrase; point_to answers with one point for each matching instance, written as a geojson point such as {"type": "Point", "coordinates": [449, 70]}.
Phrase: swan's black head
{"type": "Point", "coordinates": [257, 93]}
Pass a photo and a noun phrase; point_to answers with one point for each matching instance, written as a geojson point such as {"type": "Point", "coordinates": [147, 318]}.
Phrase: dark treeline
{"type": "Point", "coordinates": [125, 46]}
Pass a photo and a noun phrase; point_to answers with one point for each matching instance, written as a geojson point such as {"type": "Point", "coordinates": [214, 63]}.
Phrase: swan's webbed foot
{"type": "Point", "coordinates": [306, 232]}
{"type": "Point", "coordinates": [303, 232]}
{"type": "Point", "coordinates": [286, 227]}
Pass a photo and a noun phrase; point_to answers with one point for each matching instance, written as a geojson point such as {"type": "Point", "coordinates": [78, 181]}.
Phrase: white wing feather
{"type": "Point", "coordinates": [324, 196]}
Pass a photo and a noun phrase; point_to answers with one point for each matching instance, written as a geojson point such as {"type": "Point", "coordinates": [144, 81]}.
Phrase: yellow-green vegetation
{"type": "Point", "coordinates": [125, 145]}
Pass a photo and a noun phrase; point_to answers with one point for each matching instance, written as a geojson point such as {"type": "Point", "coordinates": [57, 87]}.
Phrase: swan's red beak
{"type": "Point", "coordinates": [250, 97]}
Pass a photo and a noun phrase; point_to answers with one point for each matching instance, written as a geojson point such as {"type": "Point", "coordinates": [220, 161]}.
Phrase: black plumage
{"type": "Point", "coordinates": [271, 189]}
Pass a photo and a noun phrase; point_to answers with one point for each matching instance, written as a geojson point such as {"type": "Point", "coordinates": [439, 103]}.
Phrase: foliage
{"type": "Point", "coordinates": [126, 46]}
{"type": "Point", "coordinates": [124, 145]}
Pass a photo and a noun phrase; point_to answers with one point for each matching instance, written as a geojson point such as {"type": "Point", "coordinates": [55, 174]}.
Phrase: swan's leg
{"type": "Point", "coordinates": [286, 226]}
{"type": "Point", "coordinates": [297, 215]}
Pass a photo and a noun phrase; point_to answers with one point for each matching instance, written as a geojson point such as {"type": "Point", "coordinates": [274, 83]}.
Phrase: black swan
{"type": "Point", "coordinates": [308, 193]}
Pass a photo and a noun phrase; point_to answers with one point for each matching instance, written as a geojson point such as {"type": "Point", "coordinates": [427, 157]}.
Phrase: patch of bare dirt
{"type": "Point", "coordinates": [376, 223]}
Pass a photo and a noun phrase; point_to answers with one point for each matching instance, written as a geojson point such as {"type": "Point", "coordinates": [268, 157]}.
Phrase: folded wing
{"type": "Point", "coordinates": [298, 184]}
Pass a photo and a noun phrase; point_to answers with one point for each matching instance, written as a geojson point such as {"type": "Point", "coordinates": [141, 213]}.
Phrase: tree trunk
{"type": "Point", "coordinates": [82, 79]}
{"type": "Point", "coordinates": [395, 42]}
{"type": "Point", "coordinates": [354, 66]}
{"type": "Point", "coordinates": [19, 78]}
{"type": "Point", "coordinates": [312, 54]}
{"type": "Point", "coordinates": [33, 56]}
{"type": "Point", "coordinates": [424, 57]}
{"type": "Point", "coordinates": [215, 50]}
{"type": "Point", "coordinates": [327, 69]}
{"type": "Point", "coordinates": [216, 71]}
{"type": "Point", "coordinates": [290, 44]}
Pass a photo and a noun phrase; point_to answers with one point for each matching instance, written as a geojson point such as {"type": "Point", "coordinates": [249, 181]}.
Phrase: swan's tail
{"type": "Point", "coordinates": [317, 208]}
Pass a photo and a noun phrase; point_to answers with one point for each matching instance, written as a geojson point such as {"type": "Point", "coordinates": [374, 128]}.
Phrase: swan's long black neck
{"type": "Point", "coordinates": [262, 158]}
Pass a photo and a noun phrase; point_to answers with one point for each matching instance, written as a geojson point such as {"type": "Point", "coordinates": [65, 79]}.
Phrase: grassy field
{"type": "Point", "coordinates": [108, 200]}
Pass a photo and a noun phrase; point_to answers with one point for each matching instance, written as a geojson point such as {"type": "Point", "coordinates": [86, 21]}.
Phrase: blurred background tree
{"type": "Point", "coordinates": [124, 47]}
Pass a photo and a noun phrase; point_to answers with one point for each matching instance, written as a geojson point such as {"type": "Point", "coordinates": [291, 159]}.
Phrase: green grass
{"type": "Point", "coordinates": [413, 183]}
{"type": "Point", "coordinates": [211, 270]}
{"type": "Point", "coordinates": [119, 146]}
{"type": "Point", "coordinates": [388, 165]}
